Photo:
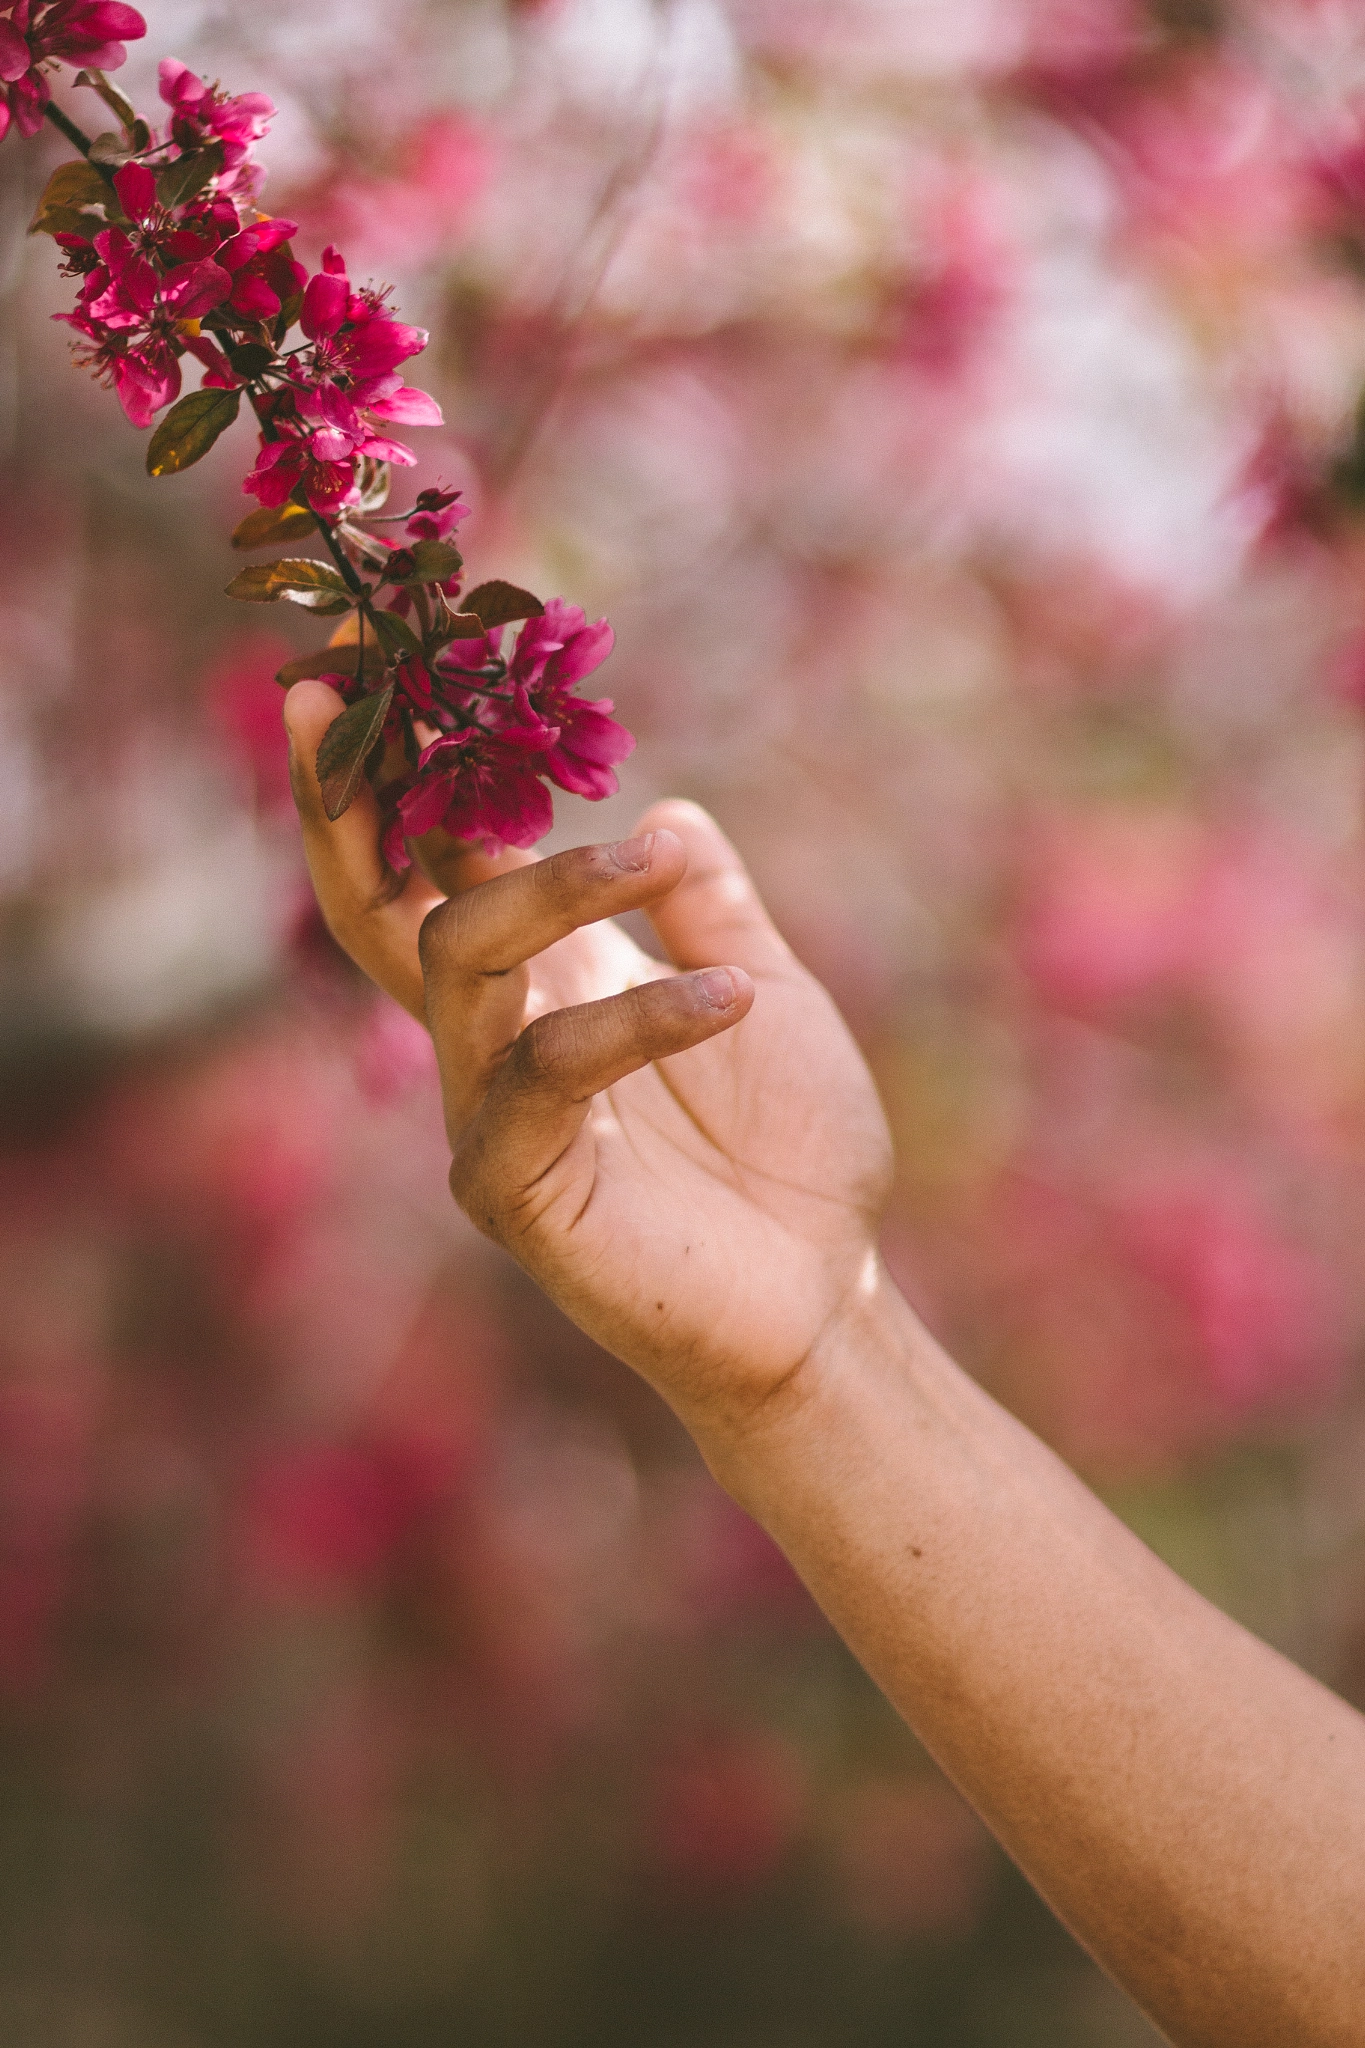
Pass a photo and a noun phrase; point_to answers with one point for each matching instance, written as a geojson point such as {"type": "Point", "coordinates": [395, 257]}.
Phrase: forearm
{"type": "Point", "coordinates": [1191, 1804]}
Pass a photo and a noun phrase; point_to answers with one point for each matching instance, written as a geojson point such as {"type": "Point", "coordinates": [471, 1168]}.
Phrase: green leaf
{"type": "Point", "coordinates": [70, 189]}
{"type": "Point", "coordinates": [249, 358]}
{"type": "Point", "coordinates": [498, 604]}
{"type": "Point", "coordinates": [190, 429]}
{"type": "Point", "coordinates": [64, 220]}
{"type": "Point", "coordinates": [122, 109]}
{"type": "Point", "coordinates": [330, 661]}
{"type": "Point", "coordinates": [346, 745]}
{"type": "Point", "coordinates": [270, 524]}
{"type": "Point", "coordinates": [288, 313]}
{"type": "Point", "coordinates": [396, 636]}
{"type": "Point", "coordinates": [313, 584]}
{"type": "Point", "coordinates": [188, 174]}
{"type": "Point", "coordinates": [434, 561]}
{"type": "Point", "coordinates": [110, 149]}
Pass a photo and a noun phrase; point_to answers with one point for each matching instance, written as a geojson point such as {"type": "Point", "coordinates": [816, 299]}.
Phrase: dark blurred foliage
{"type": "Point", "coordinates": [954, 408]}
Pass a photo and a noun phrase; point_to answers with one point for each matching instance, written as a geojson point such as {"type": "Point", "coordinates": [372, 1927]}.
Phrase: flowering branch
{"type": "Point", "coordinates": [174, 257]}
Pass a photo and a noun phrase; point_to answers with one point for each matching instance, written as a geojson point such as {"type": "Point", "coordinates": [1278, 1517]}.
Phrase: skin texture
{"type": "Point", "coordinates": [704, 1200]}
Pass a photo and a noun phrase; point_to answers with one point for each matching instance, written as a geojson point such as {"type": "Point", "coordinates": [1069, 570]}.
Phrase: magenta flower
{"type": "Point", "coordinates": [86, 32]}
{"type": "Point", "coordinates": [477, 784]}
{"type": "Point", "coordinates": [437, 514]}
{"type": "Point", "coordinates": [135, 317]}
{"type": "Point", "coordinates": [554, 653]}
{"type": "Point", "coordinates": [349, 379]}
{"type": "Point", "coordinates": [201, 114]}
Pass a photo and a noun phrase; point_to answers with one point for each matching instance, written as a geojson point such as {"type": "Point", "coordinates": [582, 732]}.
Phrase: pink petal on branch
{"type": "Point", "coordinates": [108, 21]}
{"type": "Point", "coordinates": [324, 305]}
{"type": "Point", "coordinates": [27, 98]}
{"type": "Point", "coordinates": [136, 188]}
{"type": "Point", "coordinates": [408, 408]}
{"type": "Point", "coordinates": [381, 450]}
{"type": "Point", "coordinates": [15, 55]}
{"type": "Point", "coordinates": [380, 344]}
{"type": "Point", "coordinates": [194, 288]}
{"type": "Point", "coordinates": [178, 85]}
{"type": "Point", "coordinates": [145, 382]}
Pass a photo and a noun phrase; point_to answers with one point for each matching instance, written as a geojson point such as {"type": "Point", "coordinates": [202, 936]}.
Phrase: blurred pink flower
{"type": "Point", "coordinates": [1266, 1314]}
{"type": "Point", "coordinates": [243, 701]}
{"type": "Point", "coordinates": [1112, 904]}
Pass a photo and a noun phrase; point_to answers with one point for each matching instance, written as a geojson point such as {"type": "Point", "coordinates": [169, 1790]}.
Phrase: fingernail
{"type": "Point", "coordinates": [632, 855]}
{"type": "Point", "coordinates": [716, 987]}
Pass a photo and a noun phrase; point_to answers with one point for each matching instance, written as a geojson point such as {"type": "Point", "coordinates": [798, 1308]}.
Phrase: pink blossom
{"type": "Point", "coordinates": [323, 425]}
{"type": "Point", "coordinates": [132, 317]}
{"type": "Point", "coordinates": [476, 784]}
{"type": "Point", "coordinates": [553, 654]}
{"type": "Point", "coordinates": [201, 114]}
{"type": "Point", "coordinates": [437, 515]}
{"type": "Point", "coordinates": [84, 32]}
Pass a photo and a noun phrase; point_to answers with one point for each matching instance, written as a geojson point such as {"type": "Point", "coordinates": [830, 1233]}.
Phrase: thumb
{"type": "Point", "coordinates": [714, 915]}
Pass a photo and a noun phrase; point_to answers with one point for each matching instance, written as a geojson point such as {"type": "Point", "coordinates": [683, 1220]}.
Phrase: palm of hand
{"type": "Point", "coordinates": [715, 1207]}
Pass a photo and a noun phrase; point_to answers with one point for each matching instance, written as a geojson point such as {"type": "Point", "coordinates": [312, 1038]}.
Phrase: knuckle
{"type": "Point", "coordinates": [539, 1052]}
{"type": "Point", "coordinates": [468, 1183]}
{"type": "Point", "coordinates": [436, 941]}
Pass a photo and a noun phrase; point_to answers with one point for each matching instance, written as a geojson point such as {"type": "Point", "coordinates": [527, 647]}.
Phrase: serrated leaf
{"type": "Point", "coordinates": [110, 148]}
{"type": "Point", "coordinates": [434, 561]}
{"type": "Point", "coordinates": [346, 745]}
{"type": "Point", "coordinates": [188, 175]}
{"type": "Point", "coordinates": [269, 525]}
{"type": "Point", "coordinates": [330, 661]}
{"type": "Point", "coordinates": [190, 429]}
{"type": "Point", "coordinates": [498, 604]}
{"type": "Point", "coordinates": [71, 188]}
{"type": "Point", "coordinates": [315, 585]}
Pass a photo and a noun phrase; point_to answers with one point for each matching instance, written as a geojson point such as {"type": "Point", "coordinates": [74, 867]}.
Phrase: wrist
{"type": "Point", "coordinates": [870, 1334]}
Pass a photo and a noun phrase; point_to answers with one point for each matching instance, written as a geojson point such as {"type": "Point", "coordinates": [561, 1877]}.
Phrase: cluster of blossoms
{"type": "Point", "coordinates": [173, 257]}
{"type": "Point", "coordinates": [86, 32]}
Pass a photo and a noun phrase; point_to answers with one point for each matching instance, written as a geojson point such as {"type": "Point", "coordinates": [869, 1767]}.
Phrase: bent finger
{"type": "Point", "coordinates": [715, 913]}
{"type": "Point", "coordinates": [472, 944]}
{"type": "Point", "coordinates": [371, 911]}
{"type": "Point", "coordinates": [540, 1098]}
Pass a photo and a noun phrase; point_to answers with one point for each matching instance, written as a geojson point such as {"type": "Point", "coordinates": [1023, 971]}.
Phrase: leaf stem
{"type": "Point", "coordinates": [338, 554]}
{"type": "Point", "coordinates": [75, 136]}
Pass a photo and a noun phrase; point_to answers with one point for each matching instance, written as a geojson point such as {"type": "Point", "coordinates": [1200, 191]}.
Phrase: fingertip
{"type": "Point", "coordinates": [726, 991]}
{"type": "Point", "coordinates": [665, 862]}
{"type": "Point", "coordinates": [309, 708]}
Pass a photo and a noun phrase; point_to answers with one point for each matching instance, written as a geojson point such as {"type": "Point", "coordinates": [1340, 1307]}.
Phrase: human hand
{"type": "Point", "coordinates": [701, 1199]}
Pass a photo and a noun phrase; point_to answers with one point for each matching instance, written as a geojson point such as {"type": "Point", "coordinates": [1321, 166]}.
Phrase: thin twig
{"type": "Point", "coordinates": [75, 136]}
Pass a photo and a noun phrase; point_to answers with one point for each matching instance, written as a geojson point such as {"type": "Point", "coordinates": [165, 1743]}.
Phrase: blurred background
{"type": "Point", "coordinates": [952, 403]}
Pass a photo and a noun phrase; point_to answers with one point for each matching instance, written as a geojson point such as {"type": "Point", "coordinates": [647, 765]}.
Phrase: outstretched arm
{"type": "Point", "coordinates": [704, 1201]}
